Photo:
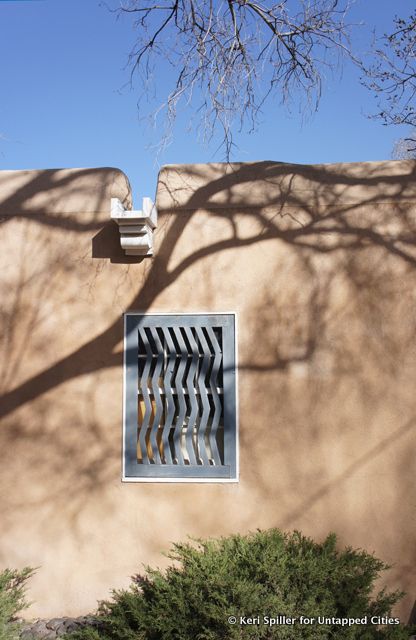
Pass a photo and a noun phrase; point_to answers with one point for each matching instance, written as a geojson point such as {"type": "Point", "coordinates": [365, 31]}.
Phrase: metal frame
{"type": "Point", "coordinates": [137, 472]}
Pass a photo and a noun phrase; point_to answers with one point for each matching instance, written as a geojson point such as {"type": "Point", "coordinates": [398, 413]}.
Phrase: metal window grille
{"type": "Point", "coordinates": [180, 397]}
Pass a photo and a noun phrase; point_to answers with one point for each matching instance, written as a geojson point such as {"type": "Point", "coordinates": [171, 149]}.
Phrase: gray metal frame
{"type": "Point", "coordinates": [155, 469]}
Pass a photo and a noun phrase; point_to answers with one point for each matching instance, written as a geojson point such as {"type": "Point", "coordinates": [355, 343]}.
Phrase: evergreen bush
{"type": "Point", "coordinates": [12, 601]}
{"type": "Point", "coordinates": [245, 578]}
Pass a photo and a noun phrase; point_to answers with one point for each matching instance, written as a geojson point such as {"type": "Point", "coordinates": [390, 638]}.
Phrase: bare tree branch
{"type": "Point", "coordinates": [392, 73]}
{"type": "Point", "coordinates": [229, 56]}
{"type": "Point", "coordinates": [405, 148]}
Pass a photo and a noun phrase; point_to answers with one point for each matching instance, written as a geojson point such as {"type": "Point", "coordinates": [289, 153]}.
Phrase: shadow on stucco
{"type": "Point", "coordinates": [106, 244]}
{"type": "Point", "coordinates": [327, 344]}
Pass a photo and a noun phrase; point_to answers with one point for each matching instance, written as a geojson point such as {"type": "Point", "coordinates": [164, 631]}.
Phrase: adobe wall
{"type": "Point", "coordinates": [319, 265]}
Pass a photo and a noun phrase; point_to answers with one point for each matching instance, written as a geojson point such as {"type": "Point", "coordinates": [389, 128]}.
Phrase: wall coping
{"type": "Point", "coordinates": [269, 183]}
{"type": "Point", "coordinates": [62, 191]}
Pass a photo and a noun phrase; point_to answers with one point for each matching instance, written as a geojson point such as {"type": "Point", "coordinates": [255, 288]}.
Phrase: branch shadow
{"type": "Point", "coordinates": [106, 244]}
{"type": "Point", "coordinates": [317, 349]}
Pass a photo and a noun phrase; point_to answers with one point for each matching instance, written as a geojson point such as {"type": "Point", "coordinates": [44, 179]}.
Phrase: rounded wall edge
{"type": "Point", "coordinates": [62, 191]}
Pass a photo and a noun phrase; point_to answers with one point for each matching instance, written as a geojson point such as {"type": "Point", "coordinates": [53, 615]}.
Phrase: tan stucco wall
{"type": "Point", "coordinates": [319, 265]}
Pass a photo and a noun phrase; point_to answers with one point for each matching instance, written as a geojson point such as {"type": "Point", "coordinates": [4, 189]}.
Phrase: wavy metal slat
{"type": "Point", "coordinates": [190, 385]}
{"type": "Point", "coordinates": [215, 396]}
{"type": "Point", "coordinates": [146, 396]}
{"type": "Point", "coordinates": [206, 407]}
{"type": "Point", "coordinates": [180, 419]}
{"type": "Point", "coordinates": [170, 403]}
{"type": "Point", "coordinates": [157, 372]}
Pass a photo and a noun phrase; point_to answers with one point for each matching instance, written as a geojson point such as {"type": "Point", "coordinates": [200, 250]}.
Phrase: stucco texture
{"type": "Point", "coordinates": [319, 264]}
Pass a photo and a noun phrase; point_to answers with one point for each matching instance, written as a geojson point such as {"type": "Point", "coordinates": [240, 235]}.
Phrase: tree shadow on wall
{"type": "Point", "coordinates": [306, 330]}
{"type": "Point", "coordinates": [325, 232]}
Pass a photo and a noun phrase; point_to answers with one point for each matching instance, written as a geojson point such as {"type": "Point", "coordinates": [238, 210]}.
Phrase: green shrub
{"type": "Point", "coordinates": [12, 601]}
{"type": "Point", "coordinates": [262, 574]}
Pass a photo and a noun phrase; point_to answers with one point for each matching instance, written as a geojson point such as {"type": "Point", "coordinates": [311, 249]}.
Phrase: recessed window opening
{"type": "Point", "coordinates": [181, 369]}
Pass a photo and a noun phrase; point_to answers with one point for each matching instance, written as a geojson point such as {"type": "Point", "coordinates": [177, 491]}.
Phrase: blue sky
{"type": "Point", "coordinates": [65, 99]}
